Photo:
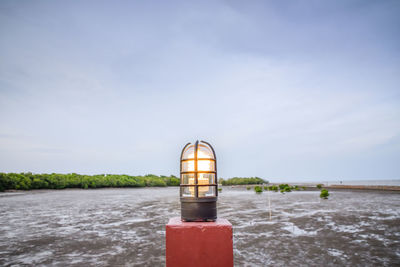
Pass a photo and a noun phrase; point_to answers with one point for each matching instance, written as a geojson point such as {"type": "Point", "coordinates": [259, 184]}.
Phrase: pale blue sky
{"type": "Point", "coordinates": [284, 90]}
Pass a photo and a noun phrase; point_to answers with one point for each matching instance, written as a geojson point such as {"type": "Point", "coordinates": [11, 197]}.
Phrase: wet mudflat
{"type": "Point", "coordinates": [112, 227]}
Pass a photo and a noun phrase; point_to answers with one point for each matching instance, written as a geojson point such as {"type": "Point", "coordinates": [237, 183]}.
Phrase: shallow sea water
{"type": "Point", "coordinates": [109, 227]}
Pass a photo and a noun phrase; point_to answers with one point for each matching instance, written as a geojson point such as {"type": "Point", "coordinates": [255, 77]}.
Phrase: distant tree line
{"type": "Point", "coordinates": [242, 181]}
{"type": "Point", "coordinates": [27, 181]}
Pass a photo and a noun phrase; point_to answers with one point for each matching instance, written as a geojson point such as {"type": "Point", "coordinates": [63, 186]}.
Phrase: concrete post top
{"type": "Point", "coordinates": [177, 222]}
{"type": "Point", "coordinates": [199, 244]}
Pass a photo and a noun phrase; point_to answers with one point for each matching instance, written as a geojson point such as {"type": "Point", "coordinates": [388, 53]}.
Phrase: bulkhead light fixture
{"type": "Point", "coordinates": [199, 185]}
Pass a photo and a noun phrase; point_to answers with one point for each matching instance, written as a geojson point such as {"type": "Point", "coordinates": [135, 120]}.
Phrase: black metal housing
{"type": "Point", "coordinates": [198, 208]}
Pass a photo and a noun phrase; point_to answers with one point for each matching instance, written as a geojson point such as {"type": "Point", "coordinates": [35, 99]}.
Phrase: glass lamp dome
{"type": "Point", "coordinates": [199, 186]}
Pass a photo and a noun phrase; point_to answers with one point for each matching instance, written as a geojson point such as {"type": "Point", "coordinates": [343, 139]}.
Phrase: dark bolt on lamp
{"type": "Point", "coordinates": [199, 186]}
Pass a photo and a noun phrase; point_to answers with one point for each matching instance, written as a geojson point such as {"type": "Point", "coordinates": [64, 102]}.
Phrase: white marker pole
{"type": "Point", "coordinates": [269, 204]}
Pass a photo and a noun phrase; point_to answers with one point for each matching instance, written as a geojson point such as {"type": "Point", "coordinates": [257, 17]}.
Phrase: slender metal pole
{"type": "Point", "coordinates": [269, 204]}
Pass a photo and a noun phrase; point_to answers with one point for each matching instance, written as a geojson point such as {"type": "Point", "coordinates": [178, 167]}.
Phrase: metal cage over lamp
{"type": "Point", "coordinates": [199, 185]}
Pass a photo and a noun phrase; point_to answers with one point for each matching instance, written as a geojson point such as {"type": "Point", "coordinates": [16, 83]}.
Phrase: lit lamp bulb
{"type": "Point", "coordinates": [203, 164]}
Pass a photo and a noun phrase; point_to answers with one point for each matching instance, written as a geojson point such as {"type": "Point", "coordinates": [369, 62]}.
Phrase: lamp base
{"type": "Point", "coordinates": [195, 211]}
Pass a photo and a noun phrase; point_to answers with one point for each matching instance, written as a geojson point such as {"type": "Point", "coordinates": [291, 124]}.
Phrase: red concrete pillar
{"type": "Point", "coordinates": [199, 243]}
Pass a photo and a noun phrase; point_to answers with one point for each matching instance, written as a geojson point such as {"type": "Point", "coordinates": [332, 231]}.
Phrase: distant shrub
{"type": "Point", "coordinates": [2, 186]}
{"type": "Point", "coordinates": [319, 186]}
{"type": "Point", "coordinates": [172, 180]}
{"type": "Point", "coordinates": [258, 189]}
{"type": "Point", "coordinates": [282, 186]}
{"type": "Point", "coordinates": [248, 188]}
{"type": "Point", "coordinates": [21, 182]}
{"type": "Point", "coordinates": [324, 194]}
{"type": "Point", "coordinates": [243, 181]}
{"type": "Point", "coordinates": [273, 188]}
{"type": "Point", "coordinates": [219, 189]}
{"type": "Point", "coordinates": [154, 181]}
{"type": "Point", "coordinates": [287, 189]}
